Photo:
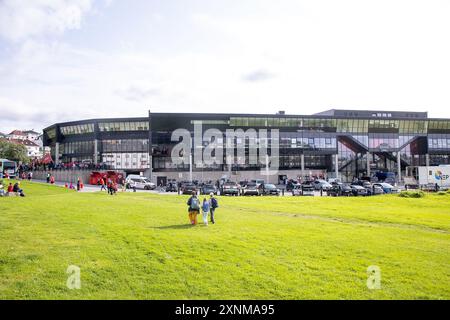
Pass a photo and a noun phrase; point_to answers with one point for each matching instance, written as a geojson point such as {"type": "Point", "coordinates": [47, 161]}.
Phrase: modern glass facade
{"type": "Point", "coordinates": [361, 141]}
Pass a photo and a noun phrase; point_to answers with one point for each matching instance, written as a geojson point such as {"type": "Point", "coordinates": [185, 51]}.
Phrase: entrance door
{"type": "Point", "coordinates": [161, 181]}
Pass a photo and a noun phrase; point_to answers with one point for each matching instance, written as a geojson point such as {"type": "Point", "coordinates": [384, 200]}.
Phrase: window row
{"type": "Point", "coordinates": [78, 129]}
{"type": "Point", "coordinates": [439, 125]}
{"type": "Point", "coordinates": [123, 126]}
{"type": "Point", "coordinates": [435, 143]}
{"type": "Point", "coordinates": [126, 160]}
{"type": "Point", "coordinates": [77, 147]}
{"type": "Point", "coordinates": [125, 145]}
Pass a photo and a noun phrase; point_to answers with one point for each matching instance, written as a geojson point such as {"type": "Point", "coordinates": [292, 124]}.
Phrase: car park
{"type": "Point", "coordinates": [321, 184]}
{"type": "Point", "coordinates": [268, 189]}
{"type": "Point", "coordinates": [230, 188]}
{"type": "Point", "coordinates": [135, 181]}
{"type": "Point", "coordinates": [358, 190]}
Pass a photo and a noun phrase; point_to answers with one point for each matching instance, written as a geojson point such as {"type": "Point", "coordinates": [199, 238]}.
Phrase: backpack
{"type": "Point", "coordinates": [214, 203]}
{"type": "Point", "coordinates": [195, 204]}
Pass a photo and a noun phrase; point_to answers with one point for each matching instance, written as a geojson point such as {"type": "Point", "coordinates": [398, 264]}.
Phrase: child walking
{"type": "Point", "coordinates": [205, 209]}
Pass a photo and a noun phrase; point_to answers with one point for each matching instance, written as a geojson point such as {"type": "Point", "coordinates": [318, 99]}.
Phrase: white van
{"type": "Point", "coordinates": [139, 182]}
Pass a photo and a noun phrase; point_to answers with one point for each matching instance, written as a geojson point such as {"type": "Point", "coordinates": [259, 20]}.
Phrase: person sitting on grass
{"type": "Point", "coordinates": [205, 209]}
{"type": "Point", "coordinates": [10, 189]}
{"type": "Point", "coordinates": [193, 208]}
{"type": "Point", "coordinates": [17, 190]}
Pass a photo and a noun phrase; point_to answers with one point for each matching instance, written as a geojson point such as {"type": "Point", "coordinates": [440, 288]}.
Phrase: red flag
{"type": "Point", "coordinates": [47, 159]}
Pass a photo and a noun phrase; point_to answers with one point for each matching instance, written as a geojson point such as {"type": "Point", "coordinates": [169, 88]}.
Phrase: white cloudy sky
{"type": "Point", "coordinates": [63, 60]}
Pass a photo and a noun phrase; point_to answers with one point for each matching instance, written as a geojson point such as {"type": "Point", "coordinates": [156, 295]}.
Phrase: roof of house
{"type": "Point", "coordinates": [17, 133]}
{"type": "Point", "coordinates": [26, 142]}
{"type": "Point", "coordinates": [30, 132]}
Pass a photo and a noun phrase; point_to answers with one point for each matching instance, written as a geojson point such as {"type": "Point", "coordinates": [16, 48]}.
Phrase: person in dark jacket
{"type": "Point", "coordinates": [193, 208]}
{"type": "Point", "coordinates": [213, 204]}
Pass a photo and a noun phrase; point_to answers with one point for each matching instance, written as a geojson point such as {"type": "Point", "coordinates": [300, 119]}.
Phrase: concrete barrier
{"type": "Point", "coordinates": [64, 175]}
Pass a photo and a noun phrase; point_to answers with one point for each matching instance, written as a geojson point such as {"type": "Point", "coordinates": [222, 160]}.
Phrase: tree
{"type": "Point", "coordinates": [13, 151]}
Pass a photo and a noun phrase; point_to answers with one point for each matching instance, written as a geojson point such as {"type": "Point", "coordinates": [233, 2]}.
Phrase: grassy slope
{"type": "Point", "coordinates": [138, 245]}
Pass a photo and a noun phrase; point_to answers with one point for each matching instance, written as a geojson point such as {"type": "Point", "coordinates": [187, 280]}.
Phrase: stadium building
{"type": "Point", "coordinates": [343, 143]}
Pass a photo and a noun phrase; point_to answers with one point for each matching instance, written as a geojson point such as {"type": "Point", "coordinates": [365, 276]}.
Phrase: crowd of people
{"type": "Point", "coordinates": [37, 165]}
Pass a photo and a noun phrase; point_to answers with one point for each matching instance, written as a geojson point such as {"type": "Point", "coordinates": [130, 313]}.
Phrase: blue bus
{"type": "Point", "coordinates": [7, 166]}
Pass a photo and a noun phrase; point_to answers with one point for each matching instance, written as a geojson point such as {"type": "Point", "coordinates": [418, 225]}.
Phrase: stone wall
{"type": "Point", "coordinates": [66, 175]}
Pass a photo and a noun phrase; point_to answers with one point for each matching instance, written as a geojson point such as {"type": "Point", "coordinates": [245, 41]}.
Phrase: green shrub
{"type": "Point", "coordinates": [442, 193]}
{"type": "Point", "coordinates": [412, 194]}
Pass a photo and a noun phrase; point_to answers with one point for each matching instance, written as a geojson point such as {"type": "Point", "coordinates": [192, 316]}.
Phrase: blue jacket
{"type": "Point", "coordinates": [205, 206]}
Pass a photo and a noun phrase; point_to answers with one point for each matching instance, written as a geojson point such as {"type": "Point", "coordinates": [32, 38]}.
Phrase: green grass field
{"type": "Point", "coordinates": [140, 246]}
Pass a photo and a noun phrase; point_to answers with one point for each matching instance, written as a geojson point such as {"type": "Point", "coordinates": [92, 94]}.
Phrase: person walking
{"type": "Point", "coordinates": [193, 208]}
{"type": "Point", "coordinates": [78, 184]}
{"type": "Point", "coordinates": [109, 186]}
{"type": "Point", "coordinates": [103, 185]}
{"type": "Point", "coordinates": [213, 205]}
{"type": "Point", "coordinates": [48, 177]}
{"type": "Point", "coordinates": [205, 209]}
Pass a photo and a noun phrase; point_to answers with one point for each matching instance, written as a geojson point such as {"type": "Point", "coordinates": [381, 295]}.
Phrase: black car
{"type": "Point", "coordinates": [358, 190]}
{"type": "Point", "coordinates": [189, 188]}
{"type": "Point", "coordinates": [339, 190]}
{"type": "Point", "coordinates": [208, 189]}
{"type": "Point", "coordinates": [268, 189]}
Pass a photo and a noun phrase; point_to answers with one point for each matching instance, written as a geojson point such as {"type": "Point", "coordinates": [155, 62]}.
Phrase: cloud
{"type": "Point", "coordinates": [21, 19]}
{"type": "Point", "coordinates": [137, 93]}
{"type": "Point", "coordinates": [258, 75]}
{"type": "Point", "coordinates": [18, 112]}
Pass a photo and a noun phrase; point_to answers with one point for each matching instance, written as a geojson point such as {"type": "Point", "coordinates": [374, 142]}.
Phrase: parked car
{"type": "Point", "coordinates": [387, 188]}
{"type": "Point", "coordinates": [291, 185]}
{"type": "Point", "coordinates": [139, 182]}
{"type": "Point", "coordinates": [251, 189]}
{"type": "Point", "coordinates": [376, 190]}
{"type": "Point", "coordinates": [307, 190]}
{"type": "Point", "coordinates": [268, 189]}
{"type": "Point", "coordinates": [188, 188]}
{"type": "Point", "coordinates": [258, 182]}
{"type": "Point", "coordinates": [339, 190]}
{"type": "Point", "coordinates": [230, 188]}
{"type": "Point", "coordinates": [358, 190]}
{"type": "Point", "coordinates": [321, 184]}
{"type": "Point", "coordinates": [208, 188]}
